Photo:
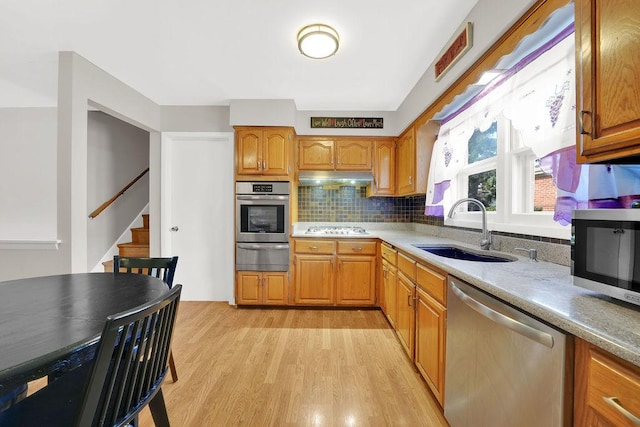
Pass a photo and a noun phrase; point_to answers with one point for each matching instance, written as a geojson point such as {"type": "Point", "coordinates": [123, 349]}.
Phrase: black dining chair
{"type": "Point", "coordinates": [162, 268]}
{"type": "Point", "coordinates": [126, 375]}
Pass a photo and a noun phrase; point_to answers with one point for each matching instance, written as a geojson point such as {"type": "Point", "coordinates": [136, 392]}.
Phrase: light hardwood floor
{"type": "Point", "coordinates": [291, 367]}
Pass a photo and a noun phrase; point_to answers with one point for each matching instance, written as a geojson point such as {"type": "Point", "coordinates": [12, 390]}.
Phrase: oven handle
{"type": "Point", "coordinates": [263, 197]}
{"type": "Point", "coordinates": [259, 247]}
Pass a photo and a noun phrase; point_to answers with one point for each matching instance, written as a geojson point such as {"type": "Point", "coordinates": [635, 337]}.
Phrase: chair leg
{"type": "Point", "coordinates": [172, 367]}
{"type": "Point", "coordinates": [159, 410]}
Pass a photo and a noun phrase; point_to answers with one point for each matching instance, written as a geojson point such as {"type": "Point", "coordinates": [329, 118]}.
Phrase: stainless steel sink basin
{"type": "Point", "coordinates": [463, 254]}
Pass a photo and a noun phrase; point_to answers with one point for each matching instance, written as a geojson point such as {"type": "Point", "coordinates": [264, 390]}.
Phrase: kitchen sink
{"type": "Point", "coordinates": [463, 254]}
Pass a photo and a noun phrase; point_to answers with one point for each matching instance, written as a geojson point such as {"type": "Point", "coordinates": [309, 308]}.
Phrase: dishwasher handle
{"type": "Point", "coordinates": [513, 324]}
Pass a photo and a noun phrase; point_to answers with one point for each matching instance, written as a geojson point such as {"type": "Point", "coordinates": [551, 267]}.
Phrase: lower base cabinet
{"type": "Point", "coordinates": [430, 340]}
{"type": "Point", "coordinates": [415, 305]}
{"type": "Point", "coordinates": [607, 389]}
{"type": "Point", "coordinates": [356, 280]}
{"type": "Point", "coordinates": [262, 288]}
{"type": "Point", "coordinates": [314, 279]}
{"type": "Point", "coordinates": [406, 320]}
{"type": "Point", "coordinates": [389, 284]}
{"type": "Point", "coordinates": [335, 272]}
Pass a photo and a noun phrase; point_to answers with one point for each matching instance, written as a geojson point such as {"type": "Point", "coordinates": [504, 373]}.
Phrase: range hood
{"type": "Point", "coordinates": [313, 178]}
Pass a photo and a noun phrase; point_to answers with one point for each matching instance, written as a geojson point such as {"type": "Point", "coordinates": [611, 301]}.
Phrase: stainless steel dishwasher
{"type": "Point", "coordinates": [503, 367]}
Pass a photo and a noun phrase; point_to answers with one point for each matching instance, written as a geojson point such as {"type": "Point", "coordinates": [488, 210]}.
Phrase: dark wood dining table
{"type": "Point", "coordinates": [48, 324]}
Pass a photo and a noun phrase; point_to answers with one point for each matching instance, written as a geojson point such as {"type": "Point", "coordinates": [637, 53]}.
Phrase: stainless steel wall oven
{"type": "Point", "coordinates": [262, 226]}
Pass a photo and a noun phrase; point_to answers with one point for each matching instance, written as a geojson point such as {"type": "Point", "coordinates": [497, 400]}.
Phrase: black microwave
{"type": "Point", "coordinates": [605, 252]}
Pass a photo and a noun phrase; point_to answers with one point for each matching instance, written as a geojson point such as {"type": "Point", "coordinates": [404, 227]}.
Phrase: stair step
{"type": "Point", "coordinates": [108, 266]}
{"type": "Point", "coordinates": [145, 220]}
{"type": "Point", "coordinates": [140, 235]}
{"type": "Point", "coordinates": [133, 250]}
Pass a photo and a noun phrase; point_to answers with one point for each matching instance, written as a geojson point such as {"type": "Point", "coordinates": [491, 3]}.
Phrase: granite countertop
{"type": "Point", "coordinates": [542, 289]}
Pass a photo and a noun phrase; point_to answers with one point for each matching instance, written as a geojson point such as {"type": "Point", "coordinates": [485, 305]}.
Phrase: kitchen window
{"type": "Point", "coordinates": [501, 145]}
{"type": "Point", "coordinates": [504, 174]}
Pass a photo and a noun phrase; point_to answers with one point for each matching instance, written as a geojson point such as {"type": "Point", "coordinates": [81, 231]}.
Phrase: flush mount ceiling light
{"type": "Point", "coordinates": [318, 41]}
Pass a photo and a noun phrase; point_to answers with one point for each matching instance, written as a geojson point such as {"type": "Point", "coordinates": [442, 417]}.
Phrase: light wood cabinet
{"type": "Point", "coordinates": [262, 288]}
{"type": "Point", "coordinates": [608, 81]}
{"type": "Point", "coordinates": [264, 151]}
{"type": "Point", "coordinates": [319, 153]}
{"type": "Point", "coordinates": [356, 282]}
{"type": "Point", "coordinates": [431, 314]}
{"type": "Point", "coordinates": [316, 154]}
{"type": "Point", "coordinates": [607, 388]}
{"type": "Point", "coordinates": [329, 272]}
{"type": "Point", "coordinates": [406, 165]}
{"type": "Point", "coordinates": [314, 279]}
{"type": "Point", "coordinates": [354, 155]}
{"type": "Point", "coordinates": [406, 320]}
{"type": "Point", "coordinates": [413, 157]}
{"type": "Point", "coordinates": [384, 169]}
{"type": "Point", "coordinates": [387, 282]}
{"type": "Point", "coordinates": [415, 305]}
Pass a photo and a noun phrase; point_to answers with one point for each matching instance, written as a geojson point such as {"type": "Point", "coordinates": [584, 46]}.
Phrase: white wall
{"type": "Point", "coordinates": [28, 174]}
{"type": "Point", "coordinates": [117, 153]}
{"type": "Point", "coordinates": [191, 118]}
{"type": "Point", "coordinates": [80, 84]}
{"type": "Point", "coordinates": [262, 112]}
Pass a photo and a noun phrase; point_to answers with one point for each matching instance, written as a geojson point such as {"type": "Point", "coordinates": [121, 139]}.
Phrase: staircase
{"type": "Point", "coordinates": [138, 247]}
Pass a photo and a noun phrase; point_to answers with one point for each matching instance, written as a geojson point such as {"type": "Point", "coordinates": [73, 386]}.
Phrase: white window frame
{"type": "Point", "coordinates": [514, 191]}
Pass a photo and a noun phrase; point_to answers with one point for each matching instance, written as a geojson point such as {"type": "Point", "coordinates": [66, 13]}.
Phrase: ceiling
{"type": "Point", "coordinates": [208, 52]}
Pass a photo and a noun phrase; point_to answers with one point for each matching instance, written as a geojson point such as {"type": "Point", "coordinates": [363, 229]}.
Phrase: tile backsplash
{"type": "Point", "coordinates": [350, 204]}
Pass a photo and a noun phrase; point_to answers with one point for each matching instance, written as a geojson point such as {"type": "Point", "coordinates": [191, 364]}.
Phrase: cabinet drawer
{"type": "Point", "coordinates": [407, 266]}
{"type": "Point", "coordinates": [356, 247]}
{"type": "Point", "coordinates": [389, 253]}
{"type": "Point", "coordinates": [316, 246]}
{"type": "Point", "coordinates": [433, 282]}
{"type": "Point", "coordinates": [609, 379]}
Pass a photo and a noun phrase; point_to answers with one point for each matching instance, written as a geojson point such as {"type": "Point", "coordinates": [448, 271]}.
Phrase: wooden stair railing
{"type": "Point", "coordinates": [106, 204]}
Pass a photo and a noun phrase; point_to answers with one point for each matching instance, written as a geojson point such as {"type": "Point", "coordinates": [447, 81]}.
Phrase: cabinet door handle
{"type": "Point", "coordinates": [338, 159]}
{"type": "Point", "coordinates": [615, 403]}
{"type": "Point", "coordinates": [410, 180]}
{"type": "Point", "coordinates": [264, 164]}
{"type": "Point", "coordinates": [258, 164]}
{"type": "Point", "coordinates": [581, 124]}
{"type": "Point", "coordinates": [409, 300]}
{"type": "Point", "coordinates": [357, 249]}
{"type": "Point", "coordinates": [313, 248]}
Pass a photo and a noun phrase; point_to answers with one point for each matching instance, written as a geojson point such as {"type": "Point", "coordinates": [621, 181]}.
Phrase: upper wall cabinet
{"type": "Point", "coordinates": [265, 151]}
{"type": "Point", "coordinates": [413, 157]}
{"type": "Point", "coordinates": [608, 79]}
{"type": "Point", "coordinates": [384, 168]}
{"type": "Point", "coordinates": [321, 153]}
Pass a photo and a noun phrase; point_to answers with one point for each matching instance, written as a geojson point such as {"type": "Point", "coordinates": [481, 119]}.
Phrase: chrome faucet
{"type": "Point", "coordinates": [485, 243]}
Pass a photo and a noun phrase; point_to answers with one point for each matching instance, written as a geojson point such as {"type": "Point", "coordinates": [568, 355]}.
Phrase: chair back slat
{"type": "Point", "coordinates": [161, 268]}
{"type": "Point", "coordinates": [122, 381]}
